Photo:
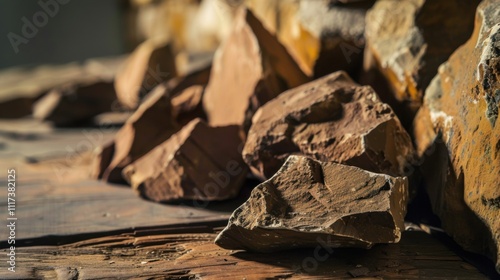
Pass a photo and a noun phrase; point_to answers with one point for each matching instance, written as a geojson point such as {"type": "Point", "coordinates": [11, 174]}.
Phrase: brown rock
{"type": "Point", "coordinates": [329, 119]}
{"type": "Point", "coordinates": [406, 43]}
{"type": "Point", "coordinates": [149, 126]}
{"type": "Point", "coordinates": [150, 64]}
{"type": "Point", "coordinates": [308, 202]}
{"type": "Point", "coordinates": [199, 162]}
{"type": "Point", "coordinates": [463, 166]}
{"type": "Point", "coordinates": [75, 102]}
{"type": "Point", "coordinates": [187, 105]}
{"type": "Point", "coordinates": [249, 69]}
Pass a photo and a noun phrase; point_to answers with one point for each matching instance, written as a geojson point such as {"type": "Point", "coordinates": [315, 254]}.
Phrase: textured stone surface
{"type": "Point", "coordinates": [199, 162]}
{"type": "Point", "coordinates": [406, 43]}
{"type": "Point", "coordinates": [461, 109]}
{"type": "Point", "coordinates": [75, 102]}
{"type": "Point", "coordinates": [151, 63]}
{"type": "Point", "coordinates": [150, 125]}
{"type": "Point", "coordinates": [329, 119]}
{"type": "Point", "coordinates": [249, 69]}
{"type": "Point", "coordinates": [308, 202]}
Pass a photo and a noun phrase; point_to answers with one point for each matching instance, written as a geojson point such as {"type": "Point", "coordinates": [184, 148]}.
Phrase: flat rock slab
{"type": "Point", "coordinates": [307, 203]}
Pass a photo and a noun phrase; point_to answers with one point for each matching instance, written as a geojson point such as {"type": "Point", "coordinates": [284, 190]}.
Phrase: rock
{"type": "Point", "coordinates": [75, 102]}
{"type": "Point", "coordinates": [460, 113]}
{"type": "Point", "coordinates": [199, 162]}
{"type": "Point", "coordinates": [150, 125]}
{"type": "Point", "coordinates": [329, 119]}
{"type": "Point", "coordinates": [249, 69]}
{"type": "Point", "coordinates": [187, 105]}
{"type": "Point", "coordinates": [20, 87]}
{"type": "Point", "coordinates": [406, 41]}
{"type": "Point", "coordinates": [308, 202]}
{"type": "Point", "coordinates": [150, 64]}
{"type": "Point", "coordinates": [323, 36]}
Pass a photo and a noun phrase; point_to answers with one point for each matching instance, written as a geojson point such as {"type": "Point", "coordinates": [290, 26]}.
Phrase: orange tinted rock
{"type": "Point", "coordinates": [463, 166]}
{"type": "Point", "coordinates": [249, 69]}
{"type": "Point", "coordinates": [151, 63]}
{"type": "Point", "coordinates": [150, 125]}
{"type": "Point", "coordinates": [329, 119]}
{"type": "Point", "coordinates": [406, 43]}
{"type": "Point", "coordinates": [75, 102]}
{"type": "Point", "coordinates": [198, 162]}
{"type": "Point", "coordinates": [308, 202]}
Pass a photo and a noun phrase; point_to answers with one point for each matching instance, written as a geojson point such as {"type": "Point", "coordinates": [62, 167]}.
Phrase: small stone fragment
{"type": "Point", "coordinates": [329, 119]}
{"type": "Point", "coordinates": [406, 41]}
{"type": "Point", "coordinates": [150, 125]}
{"type": "Point", "coordinates": [150, 64]}
{"type": "Point", "coordinates": [249, 69]}
{"type": "Point", "coordinates": [199, 162]}
{"type": "Point", "coordinates": [458, 134]}
{"type": "Point", "coordinates": [75, 102]}
{"type": "Point", "coordinates": [308, 202]}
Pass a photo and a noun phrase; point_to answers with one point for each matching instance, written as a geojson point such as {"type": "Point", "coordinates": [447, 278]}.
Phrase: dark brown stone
{"type": "Point", "coordinates": [198, 162]}
{"type": "Point", "coordinates": [150, 125]}
{"type": "Point", "coordinates": [75, 102]}
{"type": "Point", "coordinates": [308, 202]}
{"type": "Point", "coordinates": [329, 119]}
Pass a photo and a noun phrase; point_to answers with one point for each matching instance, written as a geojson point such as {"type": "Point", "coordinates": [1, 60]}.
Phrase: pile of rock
{"type": "Point", "coordinates": [315, 99]}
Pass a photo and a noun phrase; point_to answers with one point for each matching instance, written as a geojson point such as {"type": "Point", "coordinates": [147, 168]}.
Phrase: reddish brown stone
{"type": "Point", "coordinates": [199, 162]}
{"type": "Point", "coordinates": [458, 134]}
{"type": "Point", "coordinates": [149, 126]}
{"type": "Point", "coordinates": [249, 69]}
{"type": "Point", "coordinates": [329, 119]}
{"type": "Point", "coordinates": [75, 102]}
{"type": "Point", "coordinates": [406, 41]}
{"type": "Point", "coordinates": [150, 64]}
{"type": "Point", "coordinates": [308, 202]}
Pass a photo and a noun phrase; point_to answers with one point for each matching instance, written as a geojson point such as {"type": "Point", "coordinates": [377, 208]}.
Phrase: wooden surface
{"type": "Point", "coordinates": [71, 227]}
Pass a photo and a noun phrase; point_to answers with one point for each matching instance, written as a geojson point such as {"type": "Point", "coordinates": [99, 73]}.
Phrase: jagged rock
{"type": "Point", "coordinates": [460, 112]}
{"type": "Point", "coordinates": [187, 105]}
{"type": "Point", "coordinates": [150, 125]}
{"type": "Point", "coordinates": [199, 162]}
{"type": "Point", "coordinates": [308, 202]}
{"type": "Point", "coordinates": [75, 102]}
{"type": "Point", "coordinates": [329, 119]}
{"type": "Point", "coordinates": [406, 41]}
{"type": "Point", "coordinates": [249, 69]}
{"type": "Point", "coordinates": [150, 64]}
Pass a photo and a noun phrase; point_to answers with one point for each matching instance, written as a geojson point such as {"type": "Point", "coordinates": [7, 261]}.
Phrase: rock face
{"type": "Point", "coordinates": [75, 102]}
{"type": "Point", "coordinates": [150, 64]}
{"type": "Point", "coordinates": [150, 125]}
{"type": "Point", "coordinates": [461, 111]}
{"type": "Point", "coordinates": [249, 69]}
{"type": "Point", "coordinates": [309, 201]}
{"type": "Point", "coordinates": [329, 119]}
{"type": "Point", "coordinates": [199, 162]}
{"type": "Point", "coordinates": [406, 43]}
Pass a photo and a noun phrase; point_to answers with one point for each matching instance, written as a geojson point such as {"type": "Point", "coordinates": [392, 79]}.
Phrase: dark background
{"type": "Point", "coordinates": [81, 29]}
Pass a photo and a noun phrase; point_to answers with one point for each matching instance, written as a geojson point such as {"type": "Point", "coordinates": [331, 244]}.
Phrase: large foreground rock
{"type": "Point", "coordinates": [199, 162]}
{"type": "Point", "coordinates": [310, 202]}
{"type": "Point", "coordinates": [406, 43]}
{"type": "Point", "coordinates": [463, 166]}
{"type": "Point", "coordinates": [329, 119]}
{"type": "Point", "coordinates": [150, 64]}
{"type": "Point", "coordinates": [249, 69]}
